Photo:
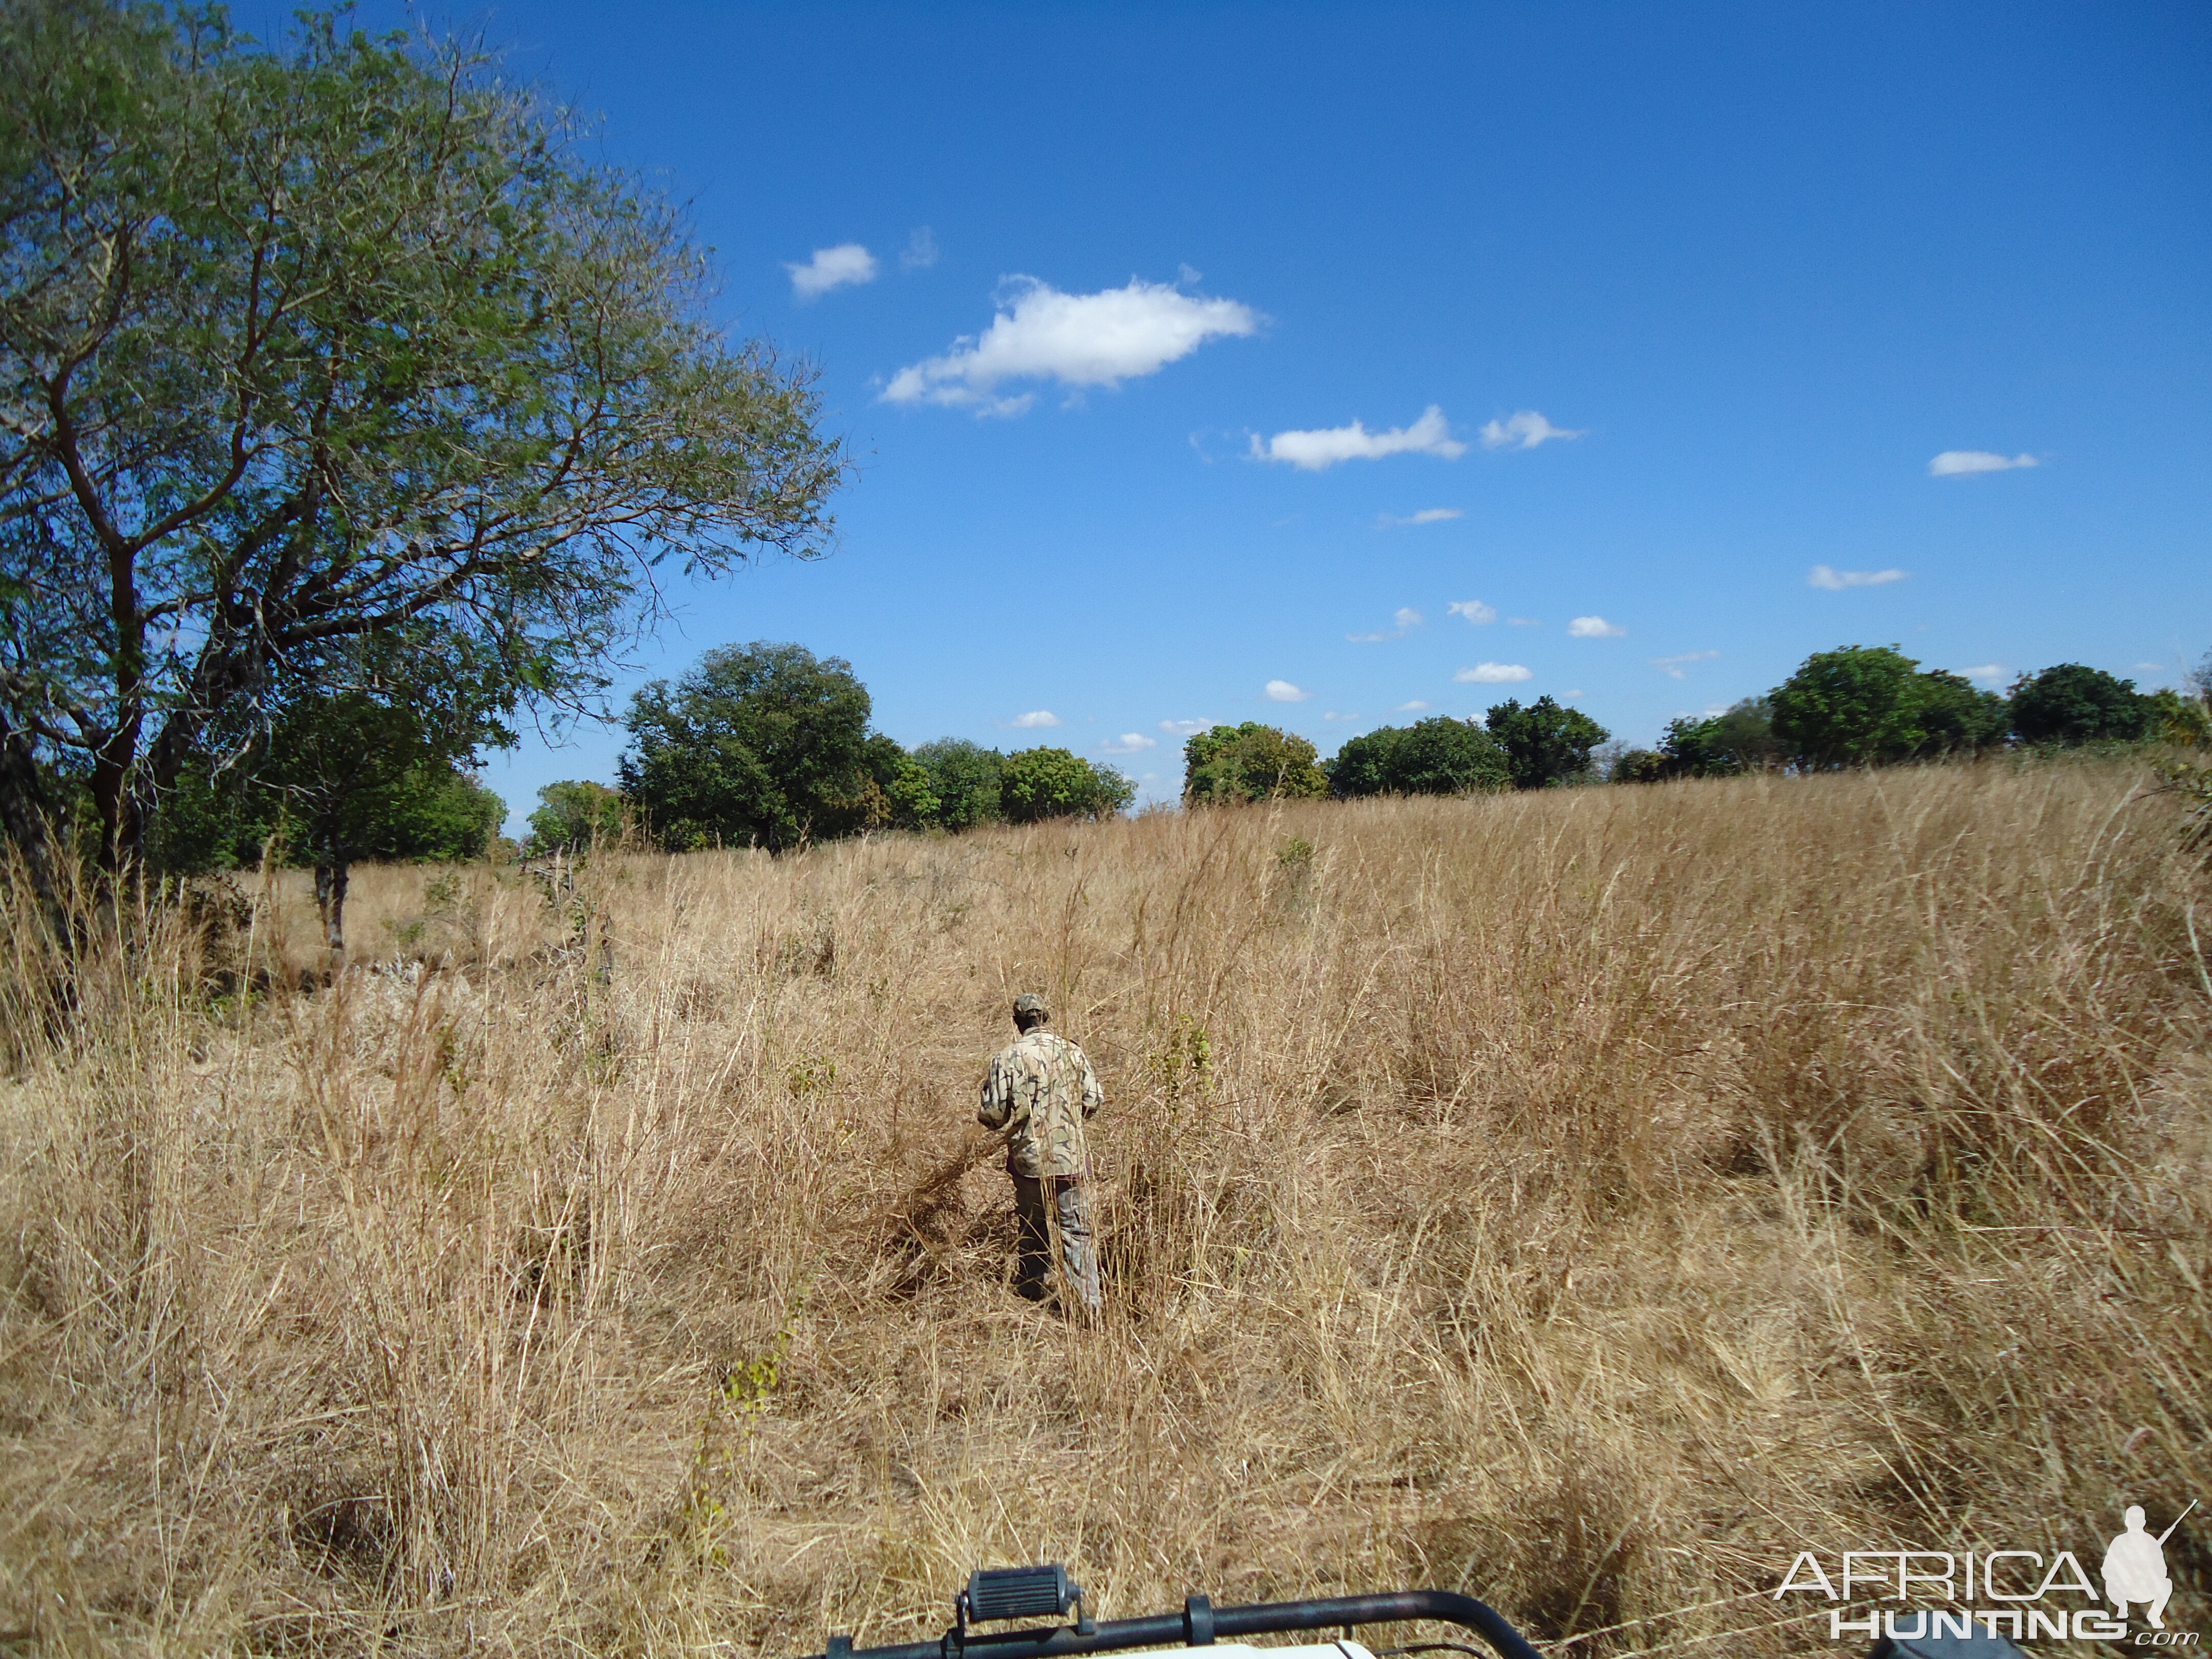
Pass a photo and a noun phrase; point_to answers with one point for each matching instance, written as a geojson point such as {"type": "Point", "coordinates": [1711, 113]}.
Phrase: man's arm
{"type": "Point", "coordinates": [1093, 1096]}
{"type": "Point", "coordinates": [1005, 1103]}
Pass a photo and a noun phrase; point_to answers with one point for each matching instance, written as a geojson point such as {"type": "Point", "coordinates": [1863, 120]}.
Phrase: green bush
{"type": "Point", "coordinates": [1955, 718]}
{"type": "Point", "coordinates": [1546, 743]}
{"type": "Point", "coordinates": [1740, 739]}
{"type": "Point", "coordinates": [572, 814]}
{"type": "Point", "coordinates": [2074, 703]}
{"type": "Point", "coordinates": [1251, 761]}
{"type": "Point", "coordinates": [1869, 706]}
{"type": "Point", "coordinates": [2178, 717]}
{"type": "Point", "coordinates": [963, 777]}
{"type": "Point", "coordinates": [760, 744]}
{"type": "Point", "coordinates": [1640, 766]}
{"type": "Point", "coordinates": [1436, 756]}
{"type": "Point", "coordinates": [1035, 784]}
{"type": "Point", "coordinates": [336, 779]}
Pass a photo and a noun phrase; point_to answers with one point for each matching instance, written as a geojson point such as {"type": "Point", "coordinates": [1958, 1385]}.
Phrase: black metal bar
{"type": "Point", "coordinates": [1175, 1629]}
{"type": "Point", "coordinates": [1197, 1622]}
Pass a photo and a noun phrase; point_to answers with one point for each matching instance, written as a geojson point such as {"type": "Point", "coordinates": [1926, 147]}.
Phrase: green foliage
{"type": "Point", "coordinates": [1869, 706]}
{"type": "Point", "coordinates": [1035, 784]}
{"type": "Point", "coordinates": [339, 778]}
{"type": "Point", "coordinates": [2075, 703]}
{"type": "Point", "coordinates": [1739, 739]}
{"type": "Point", "coordinates": [2180, 718]}
{"type": "Point", "coordinates": [1953, 717]}
{"type": "Point", "coordinates": [2191, 780]}
{"type": "Point", "coordinates": [1436, 756]}
{"type": "Point", "coordinates": [963, 776]}
{"type": "Point", "coordinates": [2184, 717]}
{"type": "Point", "coordinates": [1852, 707]}
{"type": "Point", "coordinates": [573, 814]}
{"type": "Point", "coordinates": [1694, 749]}
{"type": "Point", "coordinates": [916, 803]}
{"type": "Point", "coordinates": [1546, 743]}
{"type": "Point", "coordinates": [1640, 766]}
{"type": "Point", "coordinates": [1251, 761]}
{"type": "Point", "coordinates": [436, 815]}
{"type": "Point", "coordinates": [886, 777]}
{"type": "Point", "coordinates": [760, 744]}
{"type": "Point", "coordinates": [330, 340]}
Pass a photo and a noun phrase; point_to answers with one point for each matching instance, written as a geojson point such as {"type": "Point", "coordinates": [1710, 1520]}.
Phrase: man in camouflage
{"type": "Point", "coordinates": [1039, 1090]}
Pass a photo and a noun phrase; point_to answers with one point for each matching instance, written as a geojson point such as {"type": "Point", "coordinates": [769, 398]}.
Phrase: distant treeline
{"type": "Point", "coordinates": [768, 746]}
{"type": "Point", "coordinates": [1858, 706]}
{"type": "Point", "coordinates": [1874, 706]}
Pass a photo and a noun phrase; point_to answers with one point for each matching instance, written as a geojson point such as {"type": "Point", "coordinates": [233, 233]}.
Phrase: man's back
{"type": "Point", "coordinates": [1040, 1088]}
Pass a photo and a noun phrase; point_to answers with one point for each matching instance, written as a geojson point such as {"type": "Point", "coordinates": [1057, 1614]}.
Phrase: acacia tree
{"type": "Point", "coordinates": [301, 346]}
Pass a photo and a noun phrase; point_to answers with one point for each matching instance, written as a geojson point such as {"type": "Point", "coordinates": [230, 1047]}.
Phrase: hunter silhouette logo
{"type": "Point", "coordinates": [2013, 1592]}
{"type": "Point", "coordinates": [2135, 1567]}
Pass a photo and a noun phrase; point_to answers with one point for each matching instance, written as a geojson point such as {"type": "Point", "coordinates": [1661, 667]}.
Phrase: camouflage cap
{"type": "Point", "coordinates": [1032, 1004]}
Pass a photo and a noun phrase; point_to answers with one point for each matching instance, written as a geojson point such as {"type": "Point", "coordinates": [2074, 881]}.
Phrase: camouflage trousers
{"type": "Point", "coordinates": [1046, 1206]}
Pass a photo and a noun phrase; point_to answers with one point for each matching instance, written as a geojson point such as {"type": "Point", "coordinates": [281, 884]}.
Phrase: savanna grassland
{"type": "Point", "coordinates": [1584, 1197]}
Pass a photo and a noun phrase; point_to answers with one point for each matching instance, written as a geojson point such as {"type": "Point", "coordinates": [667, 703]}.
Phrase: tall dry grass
{"type": "Point", "coordinates": [1587, 1199]}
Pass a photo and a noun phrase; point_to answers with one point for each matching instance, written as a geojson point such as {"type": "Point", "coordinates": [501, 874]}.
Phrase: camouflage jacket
{"type": "Point", "coordinates": [1039, 1090]}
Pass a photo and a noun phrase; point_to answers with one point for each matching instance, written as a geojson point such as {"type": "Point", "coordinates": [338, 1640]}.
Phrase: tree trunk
{"type": "Point", "coordinates": [122, 825]}
{"type": "Point", "coordinates": [330, 875]}
{"type": "Point", "coordinates": [26, 815]}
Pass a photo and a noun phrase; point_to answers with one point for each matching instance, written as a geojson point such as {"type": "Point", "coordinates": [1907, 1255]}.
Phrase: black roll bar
{"type": "Point", "coordinates": [1200, 1623]}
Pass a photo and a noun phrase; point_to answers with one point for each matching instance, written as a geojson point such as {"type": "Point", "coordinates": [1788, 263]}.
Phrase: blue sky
{"type": "Point", "coordinates": [1137, 271]}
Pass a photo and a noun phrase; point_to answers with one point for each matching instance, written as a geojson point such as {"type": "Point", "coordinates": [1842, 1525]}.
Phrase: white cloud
{"type": "Point", "coordinates": [1522, 622]}
{"type": "Point", "coordinates": [1315, 450]}
{"type": "Point", "coordinates": [1672, 667]}
{"type": "Point", "coordinates": [1473, 610]}
{"type": "Point", "coordinates": [921, 251]}
{"type": "Point", "coordinates": [1965, 463]}
{"type": "Point", "coordinates": [1992, 671]}
{"type": "Point", "coordinates": [1283, 691]}
{"type": "Point", "coordinates": [1130, 743]}
{"type": "Point", "coordinates": [1183, 728]}
{"type": "Point", "coordinates": [1034, 719]}
{"type": "Point", "coordinates": [1336, 714]}
{"type": "Point", "coordinates": [1522, 431]}
{"type": "Point", "coordinates": [1427, 515]}
{"type": "Point", "coordinates": [1493, 673]}
{"type": "Point", "coordinates": [832, 267]}
{"type": "Point", "coordinates": [1413, 707]}
{"type": "Point", "coordinates": [1077, 339]}
{"type": "Point", "coordinates": [1594, 627]}
{"type": "Point", "coordinates": [1406, 619]}
{"type": "Point", "coordinates": [1837, 580]}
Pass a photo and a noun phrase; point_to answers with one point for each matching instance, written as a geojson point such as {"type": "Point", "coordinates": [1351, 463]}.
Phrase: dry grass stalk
{"type": "Point", "coordinates": [1588, 1199]}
